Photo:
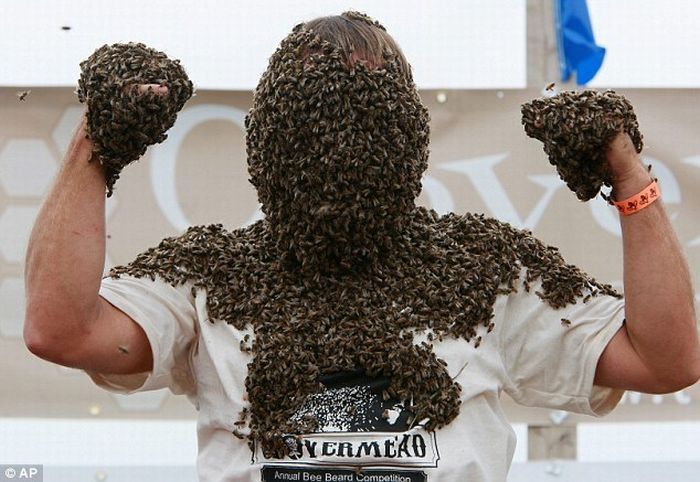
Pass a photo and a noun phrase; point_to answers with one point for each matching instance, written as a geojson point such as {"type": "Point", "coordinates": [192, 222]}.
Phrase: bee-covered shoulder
{"type": "Point", "coordinates": [480, 232]}
{"type": "Point", "coordinates": [190, 256]}
{"type": "Point", "coordinates": [520, 259]}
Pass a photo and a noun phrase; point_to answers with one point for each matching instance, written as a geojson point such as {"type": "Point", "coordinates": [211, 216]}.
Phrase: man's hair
{"type": "Point", "coordinates": [360, 39]}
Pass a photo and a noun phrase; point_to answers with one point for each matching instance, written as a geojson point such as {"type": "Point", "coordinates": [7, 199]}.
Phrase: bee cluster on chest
{"type": "Point", "coordinates": [444, 280]}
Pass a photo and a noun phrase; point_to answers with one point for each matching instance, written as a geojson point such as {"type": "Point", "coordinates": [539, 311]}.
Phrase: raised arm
{"type": "Point", "coordinates": [657, 350]}
{"type": "Point", "coordinates": [67, 322]}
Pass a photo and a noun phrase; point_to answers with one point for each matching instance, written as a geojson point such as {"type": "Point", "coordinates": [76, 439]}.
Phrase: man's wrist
{"type": "Point", "coordinates": [632, 183]}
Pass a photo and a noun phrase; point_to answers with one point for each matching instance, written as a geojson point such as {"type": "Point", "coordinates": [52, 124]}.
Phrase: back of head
{"type": "Point", "coordinates": [337, 143]}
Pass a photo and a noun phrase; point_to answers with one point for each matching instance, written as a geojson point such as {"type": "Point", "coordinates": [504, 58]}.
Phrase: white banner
{"type": "Point", "coordinates": [452, 44]}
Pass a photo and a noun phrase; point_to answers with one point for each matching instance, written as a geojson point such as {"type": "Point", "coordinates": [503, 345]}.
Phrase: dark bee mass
{"type": "Point", "coordinates": [336, 153]}
{"type": "Point", "coordinates": [448, 270]}
{"type": "Point", "coordinates": [575, 128]}
{"type": "Point", "coordinates": [345, 268]}
{"type": "Point", "coordinates": [121, 121]}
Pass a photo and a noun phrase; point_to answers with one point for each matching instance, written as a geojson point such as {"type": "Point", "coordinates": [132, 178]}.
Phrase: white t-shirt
{"type": "Point", "coordinates": [530, 354]}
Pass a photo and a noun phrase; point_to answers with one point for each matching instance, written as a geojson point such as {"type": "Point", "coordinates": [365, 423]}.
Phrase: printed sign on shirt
{"type": "Point", "coordinates": [272, 473]}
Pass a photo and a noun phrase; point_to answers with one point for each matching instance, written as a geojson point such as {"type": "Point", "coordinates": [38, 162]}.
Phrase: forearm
{"type": "Point", "coordinates": [659, 305]}
{"type": "Point", "coordinates": [66, 252]}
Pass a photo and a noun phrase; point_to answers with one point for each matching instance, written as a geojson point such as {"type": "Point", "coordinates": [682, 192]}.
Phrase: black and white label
{"type": "Point", "coordinates": [415, 448]}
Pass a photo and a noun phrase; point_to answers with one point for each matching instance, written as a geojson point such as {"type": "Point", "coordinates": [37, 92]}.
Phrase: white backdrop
{"type": "Point", "coordinates": [649, 43]}
{"type": "Point", "coordinates": [457, 44]}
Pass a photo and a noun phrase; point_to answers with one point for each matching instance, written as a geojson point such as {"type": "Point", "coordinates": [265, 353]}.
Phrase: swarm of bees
{"type": "Point", "coordinates": [346, 288]}
{"type": "Point", "coordinates": [318, 107]}
{"type": "Point", "coordinates": [575, 128]}
{"type": "Point", "coordinates": [121, 120]}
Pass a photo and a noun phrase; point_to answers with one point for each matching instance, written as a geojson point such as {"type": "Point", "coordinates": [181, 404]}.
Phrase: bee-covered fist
{"type": "Point", "coordinates": [133, 94]}
{"type": "Point", "coordinates": [580, 135]}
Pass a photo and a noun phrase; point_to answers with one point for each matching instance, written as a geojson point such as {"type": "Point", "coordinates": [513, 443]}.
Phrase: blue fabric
{"type": "Point", "coordinates": [578, 51]}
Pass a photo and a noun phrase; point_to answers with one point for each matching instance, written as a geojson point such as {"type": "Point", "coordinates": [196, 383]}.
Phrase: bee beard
{"type": "Point", "coordinates": [336, 154]}
{"type": "Point", "coordinates": [351, 232]}
{"type": "Point", "coordinates": [337, 200]}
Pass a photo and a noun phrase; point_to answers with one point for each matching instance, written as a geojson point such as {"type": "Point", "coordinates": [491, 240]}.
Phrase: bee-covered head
{"type": "Point", "coordinates": [337, 143]}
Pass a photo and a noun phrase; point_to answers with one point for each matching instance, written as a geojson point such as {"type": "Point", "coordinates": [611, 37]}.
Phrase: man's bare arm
{"type": "Point", "coordinates": [67, 322]}
{"type": "Point", "coordinates": [657, 350]}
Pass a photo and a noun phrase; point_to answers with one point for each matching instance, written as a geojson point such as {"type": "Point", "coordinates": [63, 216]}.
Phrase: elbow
{"type": "Point", "coordinates": [686, 382]}
{"type": "Point", "coordinates": [692, 373]}
{"type": "Point", "coordinates": [51, 333]}
{"type": "Point", "coordinates": [32, 333]}
{"type": "Point", "coordinates": [695, 377]}
{"type": "Point", "coordinates": [46, 344]}
{"type": "Point", "coordinates": [679, 381]}
{"type": "Point", "coordinates": [38, 342]}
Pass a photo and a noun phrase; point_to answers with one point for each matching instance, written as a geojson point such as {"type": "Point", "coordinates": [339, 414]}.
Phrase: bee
{"type": "Point", "coordinates": [358, 470]}
{"type": "Point", "coordinates": [237, 434]}
{"type": "Point", "coordinates": [565, 322]}
{"type": "Point", "coordinates": [477, 342]}
{"type": "Point", "coordinates": [23, 95]}
{"type": "Point", "coordinates": [123, 349]}
{"type": "Point", "coordinates": [323, 209]}
{"type": "Point", "coordinates": [550, 87]}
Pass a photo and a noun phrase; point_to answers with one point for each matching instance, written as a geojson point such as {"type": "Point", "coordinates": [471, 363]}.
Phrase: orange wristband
{"type": "Point", "coordinates": [639, 201]}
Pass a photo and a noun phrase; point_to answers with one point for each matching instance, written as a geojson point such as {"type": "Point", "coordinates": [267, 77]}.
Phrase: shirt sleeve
{"type": "Point", "coordinates": [167, 315]}
{"type": "Point", "coordinates": [550, 363]}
